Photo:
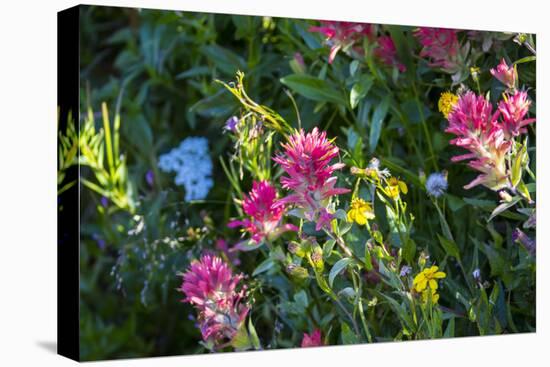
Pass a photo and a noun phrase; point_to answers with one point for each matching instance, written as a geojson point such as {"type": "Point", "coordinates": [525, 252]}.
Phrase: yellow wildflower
{"type": "Point", "coordinates": [360, 211]}
{"type": "Point", "coordinates": [435, 295]}
{"type": "Point", "coordinates": [427, 278]}
{"type": "Point", "coordinates": [447, 102]}
{"type": "Point", "coordinates": [395, 186]}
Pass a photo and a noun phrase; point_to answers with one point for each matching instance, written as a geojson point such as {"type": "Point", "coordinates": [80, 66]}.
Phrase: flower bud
{"type": "Point", "coordinates": [296, 271]}
{"type": "Point", "coordinates": [317, 258]}
{"type": "Point", "coordinates": [296, 249]}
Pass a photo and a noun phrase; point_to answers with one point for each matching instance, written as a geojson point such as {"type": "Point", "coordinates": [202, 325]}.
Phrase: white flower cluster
{"type": "Point", "coordinates": [193, 166]}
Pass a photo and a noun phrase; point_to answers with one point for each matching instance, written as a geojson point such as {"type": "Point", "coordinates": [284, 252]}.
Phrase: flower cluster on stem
{"type": "Point", "coordinates": [264, 217]}
{"type": "Point", "coordinates": [306, 160]}
{"type": "Point", "coordinates": [211, 287]}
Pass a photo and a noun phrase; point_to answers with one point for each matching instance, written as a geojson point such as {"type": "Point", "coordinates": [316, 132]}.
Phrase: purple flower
{"type": "Point", "coordinates": [477, 275]}
{"type": "Point", "coordinates": [104, 202]}
{"type": "Point", "coordinates": [405, 270]}
{"type": "Point", "coordinates": [231, 124]}
{"type": "Point", "coordinates": [150, 178]}
{"type": "Point", "coordinates": [436, 185]}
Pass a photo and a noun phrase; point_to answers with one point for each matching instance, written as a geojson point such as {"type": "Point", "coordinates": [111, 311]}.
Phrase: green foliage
{"type": "Point", "coordinates": [170, 75]}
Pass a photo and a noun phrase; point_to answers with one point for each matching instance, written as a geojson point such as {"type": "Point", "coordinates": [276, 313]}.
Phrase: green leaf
{"type": "Point", "coordinates": [224, 59]}
{"type": "Point", "coordinates": [253, 335]}
{"type": "Point", "coordinates": [504, 206]}
{"type": "Point", "coordinates": [449, 246]}
{"type": "Point", "coordinates": [241, 341]}
{"type": "Point", "coordinates": [360, 90]}
{"type": "Point", "coordinates": [517, 166]}
{"type": "Point", "coordinates": [524, 60]}
{"type": "Point", "coordinates": [348, 337]}
{"type": "Point", "coordinates": [450, 330]}
{"type": "Point", "coordinates": [263, 267]}
{"type": "Point", "coordinates": [455, 203]}
{"type": "Point", "coordinates": [353, 67]}
{"type": "Point", "coordinates": [479, 203]}
{"type": "Point", "coordinates": [338, 268]}
{"type": "Point", "coordinates": [368, 260]}
{"type": "Point", "coordinates": [409, 250]}
{"type": "Point", "coordinates": [196, 71]}
{"type": "Point", "coordinates": [313, 88]}
{"type": "Point", "coordinates": [378, 117]}
{"type": "Point", "coordinates": [328, 247]}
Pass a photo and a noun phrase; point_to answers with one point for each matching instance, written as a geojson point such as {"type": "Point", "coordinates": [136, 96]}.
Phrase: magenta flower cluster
{"type": "Point", "coordinates": [348, 37]}
{"type": "Point", "coordinates": [264, 221]}
{"type": "Point", "coordinates": [307, 162]}
{"type": "Point", "coordinates": [210, 286]}
{"type": "Point", "coordinates": [441, 47]}
{"type": "Point", "coordinates": [487, 134]}
{"type": "Point", "coordinates": [344, 36]}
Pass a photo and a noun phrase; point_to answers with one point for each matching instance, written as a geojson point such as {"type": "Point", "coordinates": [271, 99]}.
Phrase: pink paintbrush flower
{"type": "Point", "coordinates": [306, 160]}
{"type": "Point", "coordinates": [313, 340]}
{"type": "Point", "coordinates": [343, 36]}
{"type": "Point", "coordinates": [211, 287]}
{"type": "Point", "coordinates": [387, 53]}
{"type": "Point", "coordinates": [264, 222]}
{"type": "Point", "coordinates": [473, 122]}
{"type": "Point", "coordinates": [513, 109]}
{"type": "Point", "coordinates": [441, 47]}
{"type": "Point", "coordinates": [505, 74]}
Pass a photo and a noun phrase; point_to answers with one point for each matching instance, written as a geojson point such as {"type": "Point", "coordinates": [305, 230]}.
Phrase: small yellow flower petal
{"type": "Point", "coordinates": [422, 284]}
{"type": "Point", "coordinates": [433, 284]}
{"type": "Point", "coordinates": [447, 102]}
{"type": "Point", "coordinates": [351, 215]}
{"type": "Point", "coordinates": [403, 187]}
{"type": "Point", "coordinates": [440, 275]}
{"type": "Point", "coordinates": [360, 218]}
{"type": "Point", "coordinates": [360, 211]}
{"type": "Point", "coordinates": [418, 278]}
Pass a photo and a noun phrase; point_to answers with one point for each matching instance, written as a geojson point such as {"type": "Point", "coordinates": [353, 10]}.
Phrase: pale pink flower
{"type": "Point", "coordinates": [313, 340]}
{"type": "Point", "coordinates": [211, 287]}
{"type": "Point", "coordinates": [513, 109]}
{"type": "Point", "coordinates": [473, 122]}
{"type": "Point", "coordinates": [505, 74]}
{"type": "Point", "coordinates": [387, 53]}
{"type": "Point", "coordinates": [343, 36]}
{"type": "Point", "coordinates": [264, 222]}
{"type": "Point", "coordinates": [441, 47]}
{"type": "Point", "coordinates": [306, 160]}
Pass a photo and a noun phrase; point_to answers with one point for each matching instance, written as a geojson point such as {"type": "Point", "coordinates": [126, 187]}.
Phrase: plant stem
{"type": "Point", "coordinates": [358, 289]}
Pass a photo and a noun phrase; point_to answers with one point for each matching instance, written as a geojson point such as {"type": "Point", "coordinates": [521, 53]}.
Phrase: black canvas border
{"type": "Point", "coordinates": [68, 216]}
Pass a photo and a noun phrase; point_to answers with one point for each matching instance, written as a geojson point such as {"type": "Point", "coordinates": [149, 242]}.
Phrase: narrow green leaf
{"type": "Point", "coordinates": [378, 117]}
{"type": "Point", "coordinates": [338, 268]}
{"type": "Point", "coordinates": [348, 337]}
{"type": "Point", "coordinates": [263, 267]}
{"type": "Point", "coordinates": [449, 246]}
{"type": "Point", "coordinates": [313, 88]}
{"type": "Point", "coordinates": [360, 90]}
{"type": "Point", "coordinates": [504, 206]}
